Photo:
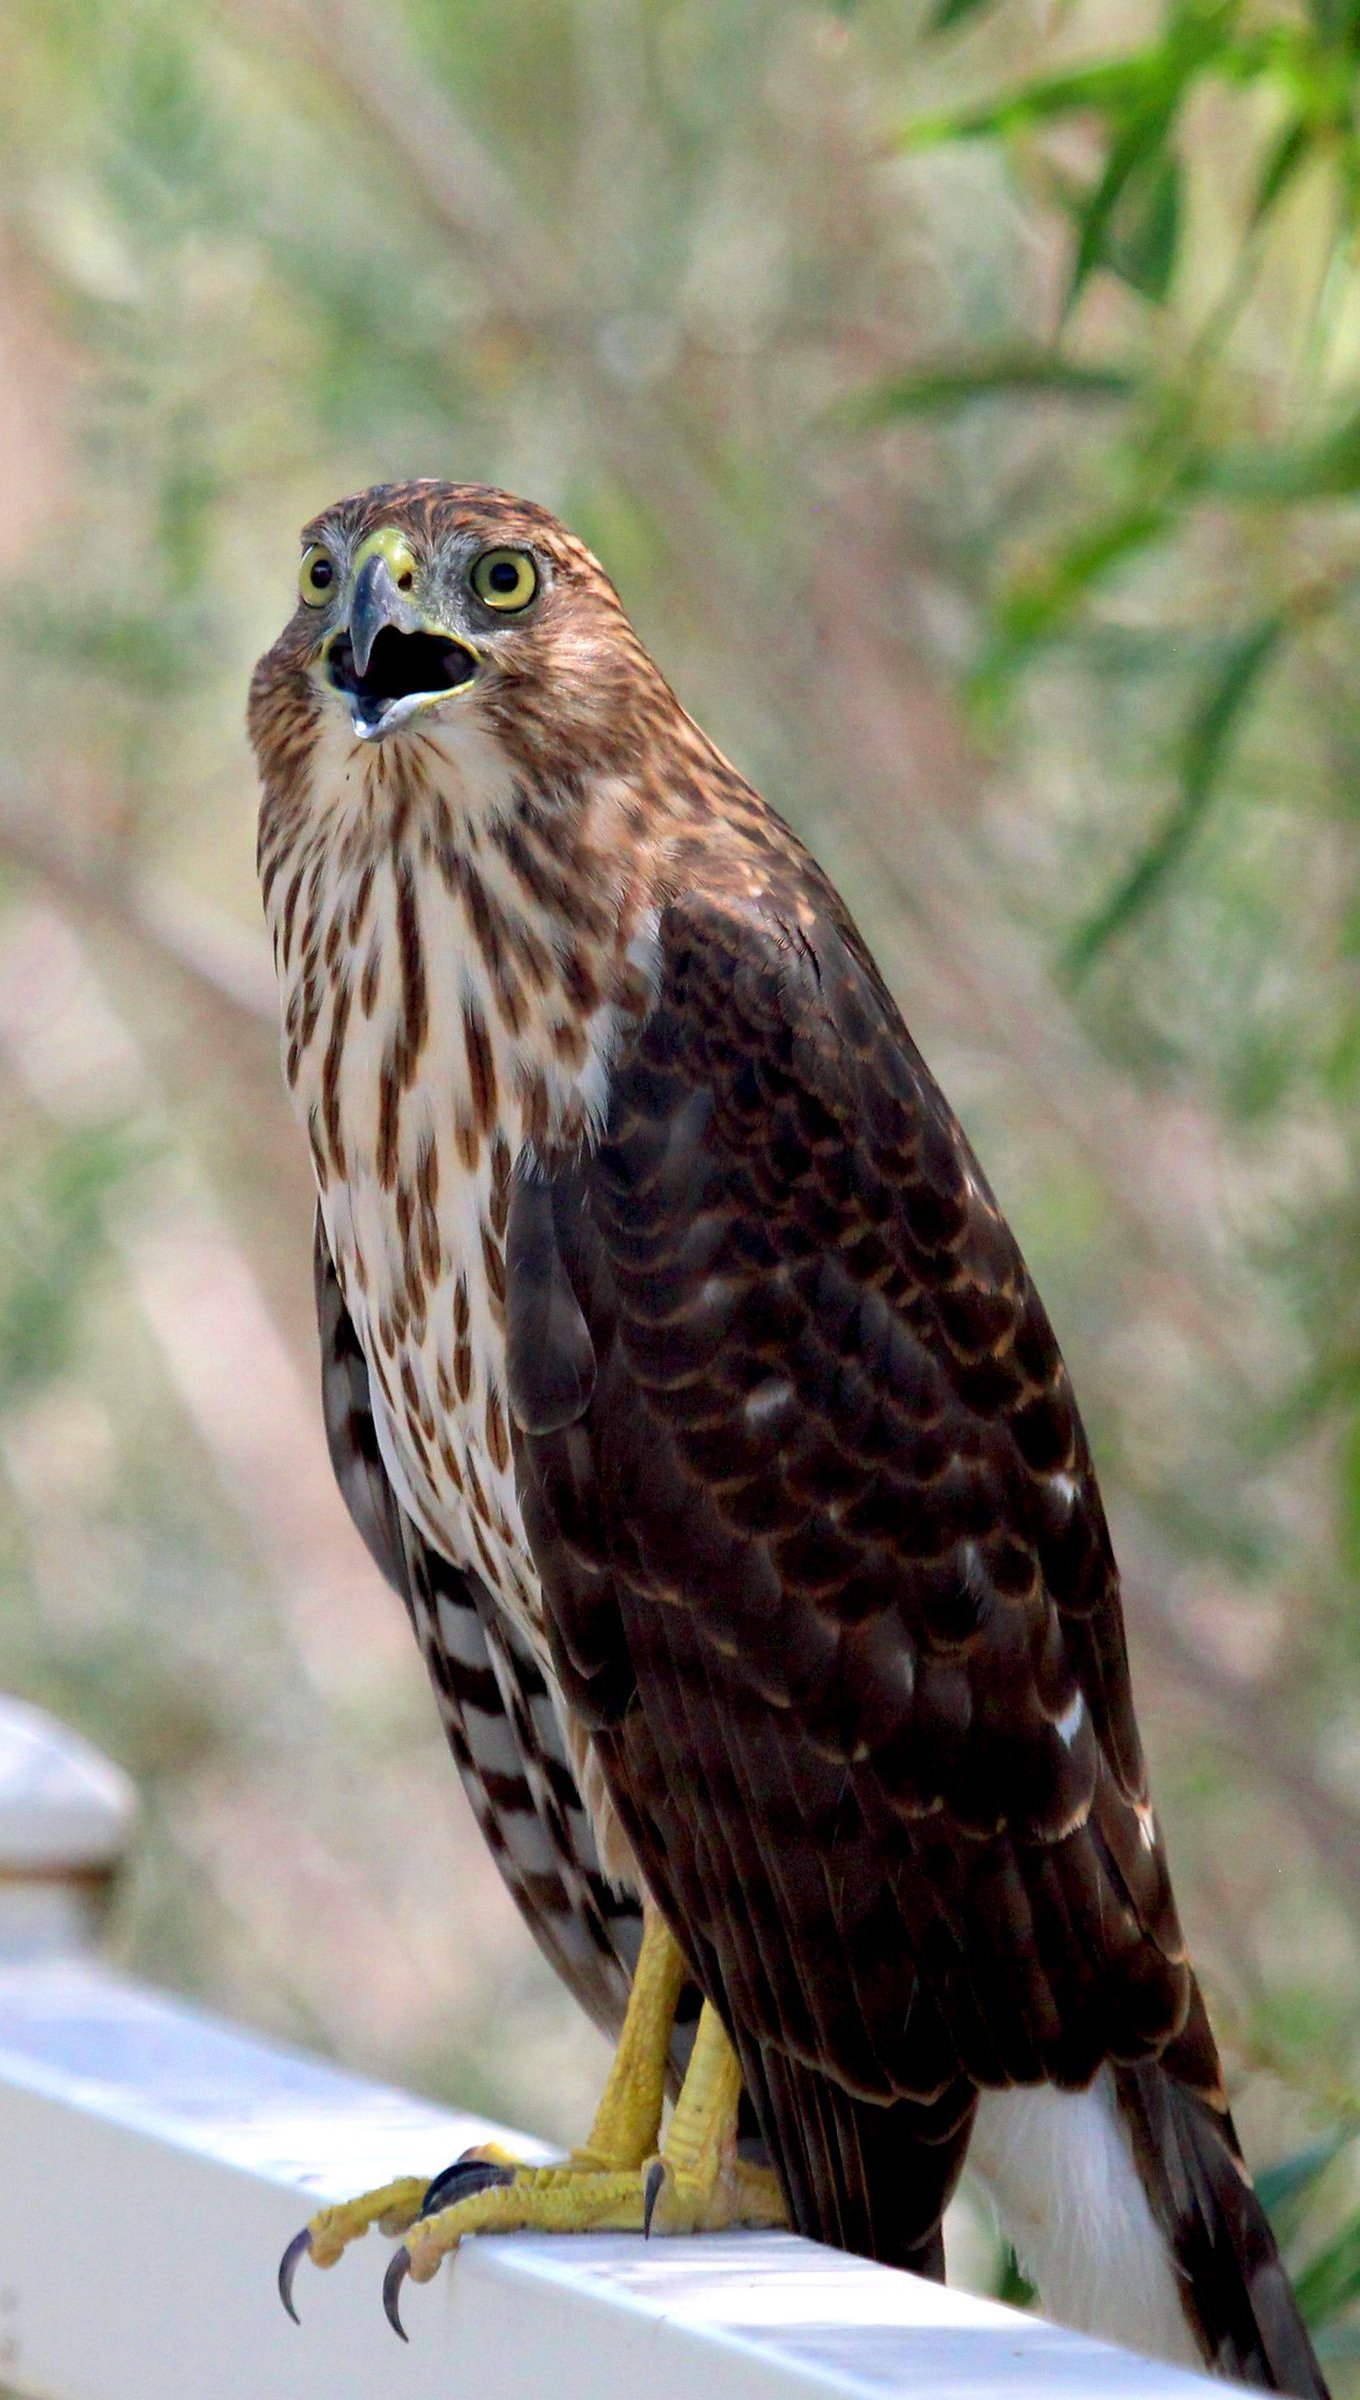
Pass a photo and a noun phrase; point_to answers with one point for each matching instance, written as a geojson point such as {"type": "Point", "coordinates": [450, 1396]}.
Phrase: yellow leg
{"type": "Point", "coordinates": [698, 2183]}
{"type": "Point", "coordinates": [628, 2118]}
{"type": "Point", "coordinates": [695, 2184]}
{"type": "Point", "coordinates": [622, 2136]}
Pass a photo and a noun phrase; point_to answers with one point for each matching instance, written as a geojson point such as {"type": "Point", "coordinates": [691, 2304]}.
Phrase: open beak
{"type": "Point", "coordinates": [389, 661]}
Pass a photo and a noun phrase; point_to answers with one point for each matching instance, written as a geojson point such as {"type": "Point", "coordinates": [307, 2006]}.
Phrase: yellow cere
{"type": "Point", "coordinates": [395, 547]}
{"type": "Point", "coordinates": [505, 579]}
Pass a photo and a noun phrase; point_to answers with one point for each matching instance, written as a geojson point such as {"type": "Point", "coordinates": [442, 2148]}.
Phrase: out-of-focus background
{"type": "Point", "coordinates": [967, 407]}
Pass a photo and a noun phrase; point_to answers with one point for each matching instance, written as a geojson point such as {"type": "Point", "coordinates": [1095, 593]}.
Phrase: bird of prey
{"type": "Point", "coordinates": [683, 1374]}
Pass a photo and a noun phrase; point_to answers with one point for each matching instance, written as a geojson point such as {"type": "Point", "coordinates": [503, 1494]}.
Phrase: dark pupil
{"type": "Point", "coordinates": [504, 576]}
{"type": "Point", "coordinates": [322, 574]}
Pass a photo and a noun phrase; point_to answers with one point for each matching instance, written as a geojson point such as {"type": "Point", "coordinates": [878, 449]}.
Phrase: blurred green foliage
{"type": "Point", "coordinates": [1199, 425]}
{"type": "Point", "coordinates": [966, 400]}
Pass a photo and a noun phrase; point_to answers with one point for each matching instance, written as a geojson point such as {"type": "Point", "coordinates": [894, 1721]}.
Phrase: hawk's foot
{"type": "Point", "coordinates": [696, 2183]}
{"type": "Point", "coordinates": [622, 2137]}
{"type": "Point", "coordinates": [326, 2236]}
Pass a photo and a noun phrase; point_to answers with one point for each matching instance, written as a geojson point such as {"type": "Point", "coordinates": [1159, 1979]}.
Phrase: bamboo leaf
{"type": "Point", "coordinates": [1283, 161]}
{"type": "Point", "coordinates": [1331, 2280]}
{"type": "Point", "coordinates": [1282, 2187]}
{"type": "Point", "coordinates": [980, 379]}
{"type": "Point", "coordinates": [1036, 606]}
{"type": "Point", "coordinates": [1140, 244]}
{"type": "Point", "coordinates": [1114, 88]}
{"type": "Point", "coordinates": [946, 14]}
{"type": "Point", "coordinates": [1094, 213]}
{"type": "Point", "coordinates": [1324, 470]}
{"type": "Point", "coordinates": [1204, 752]}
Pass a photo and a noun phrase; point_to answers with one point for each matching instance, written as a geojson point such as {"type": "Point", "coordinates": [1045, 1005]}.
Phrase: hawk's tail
{"type": "Point", "coordinates": [1167, 2249]}
{"type": "Point", "coordinates": [1234, 2288]}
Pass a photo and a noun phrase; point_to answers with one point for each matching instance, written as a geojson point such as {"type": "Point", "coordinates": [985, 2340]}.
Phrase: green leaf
{"type": "Point", "coordinates": [1140, 242]}
{"type": "Point", "coordinates": [1012, 2283]}
{"type": "Point", "coordinates": [1286, 156]}
{"type": "Point", "coordinates": [948, 13]}
{"type": "Point", "coordinates": [980, 379]}
{"type": "Point", "coordinates": [1331, 2280]}
{"type": "Point", "coordinates": [1335, 20]}
{"type": "Point", "coordinates": [1112, 88]}
{"type": "Point", "coordinates": [1282, 2187]}
{"type": "Point", "coordinates": [1144, 89]}
{"type": "Point", "coordinates": [1139, 191]}
{"type": "Point", "coordinates": [1328, 469]}
{"type": "Point", "coordinates": [1204, 752]}
{"type": "Point", "coordinates": [1038, 603]}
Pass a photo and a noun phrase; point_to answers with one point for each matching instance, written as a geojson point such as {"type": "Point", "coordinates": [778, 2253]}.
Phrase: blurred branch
{"type": "Point", "coordinates": [186, 932]}
{"type": "Point", "coordinates": [368, 61]}
{"type": "Point", "coordinates": [1243, 1714]}
{"type": "Point", "coordinates": [82, 1064]}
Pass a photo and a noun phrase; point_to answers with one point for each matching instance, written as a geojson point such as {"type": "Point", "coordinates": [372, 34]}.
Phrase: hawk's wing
{"type": "Point", "coordinates": [830, 1582]}
{"type": "Point", "coordinates": [498, 1714]}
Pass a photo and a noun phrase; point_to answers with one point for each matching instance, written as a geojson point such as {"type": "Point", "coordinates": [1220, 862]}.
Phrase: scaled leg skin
{"type": "Point", "coordinates": [695, 2183]}
{"type": "Point", "coordinates": [617, 2181]}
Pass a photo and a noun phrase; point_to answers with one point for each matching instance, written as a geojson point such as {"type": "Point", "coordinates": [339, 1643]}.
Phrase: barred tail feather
{"type": "Point", "coordinates": [1235, 2291]}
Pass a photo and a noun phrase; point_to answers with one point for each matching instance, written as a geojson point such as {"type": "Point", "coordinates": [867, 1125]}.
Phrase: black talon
{"type": "Point", "coordinates": [651, 2193]}
{"type": "Point", "coordinates": [398, 2268]}
{"type": "Point", "coordinates": [299, 2248]}
{"type": "Point", "coordinates": [460, 2181]}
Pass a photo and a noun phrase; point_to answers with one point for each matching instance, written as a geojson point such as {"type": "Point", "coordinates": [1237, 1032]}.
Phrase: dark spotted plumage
{"type": "Point", "coordinates": [831, 1586]}
{"type": "Point", "coordinates": [685, 1378]}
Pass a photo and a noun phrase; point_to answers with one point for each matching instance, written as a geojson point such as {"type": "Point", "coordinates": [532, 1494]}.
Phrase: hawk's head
{"type": "Point", "coordinates": [453, 609]}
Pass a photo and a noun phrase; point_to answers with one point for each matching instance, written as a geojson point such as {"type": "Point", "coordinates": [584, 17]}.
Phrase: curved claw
{"type": "Point", "coordinates": [651, 2193]}
{"type": "Point", "coordinates": [398, 2268]}
{"type": "Point", "coordinates": [460, 2181]}
{"type": "Point", "coordinates": [299, 2248]}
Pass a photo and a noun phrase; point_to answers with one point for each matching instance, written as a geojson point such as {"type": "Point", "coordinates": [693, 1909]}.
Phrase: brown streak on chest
{"type": "Point", "coordinates": [429, 1237]}
{"type": "Point", "coordinates": [580, 981]}
{"type": "Point", "coordinates": [359, 905]}
{"type": "Point", "coordinates": [372, 978]}
{"type": "Point", "coordinates": [493, 1260]}
{"type": "Point", "coordinates": [290, 901]}
{"type": "Point", "coordinates": [481, 1063]}
{"type": "Point", "coordinates": [330, 1075]}
{"type": "Point", "coordinates": [414, 992]}
{"type": "Point", "coordinates": [569, 1041]}
{"type": "Point", "coordinates": [497, 1439]}
{"type": "Point", "coordinates": [500, 1186]}
{"type": "Point", "coordinates": [389, 1122]}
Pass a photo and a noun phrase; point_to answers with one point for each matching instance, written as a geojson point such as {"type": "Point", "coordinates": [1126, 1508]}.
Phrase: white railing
{"type": "Point", "coordinates": [154, 2163]}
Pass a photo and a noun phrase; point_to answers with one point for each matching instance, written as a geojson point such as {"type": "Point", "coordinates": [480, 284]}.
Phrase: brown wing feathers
{"type": "Point", "coordinates": [801, 1445]}
{"type": "Point", "coordinates": [829, 1579]}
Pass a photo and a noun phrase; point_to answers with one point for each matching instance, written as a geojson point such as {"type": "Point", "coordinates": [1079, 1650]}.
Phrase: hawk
{"type": "Point", "coordinates": [682, 1373]}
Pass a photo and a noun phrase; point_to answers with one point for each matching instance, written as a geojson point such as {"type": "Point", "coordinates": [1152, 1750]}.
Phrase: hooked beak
{"type": "Point", "coordinates": [376, 603]}
{"type": "Point", "coordinates": [389, 662]}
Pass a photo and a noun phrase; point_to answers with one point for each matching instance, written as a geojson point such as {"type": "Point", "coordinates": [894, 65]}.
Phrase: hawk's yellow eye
{"type": "Point", "coordinates": [317, 576]}
{"type": "Point", "coordinates": [505, 579]}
